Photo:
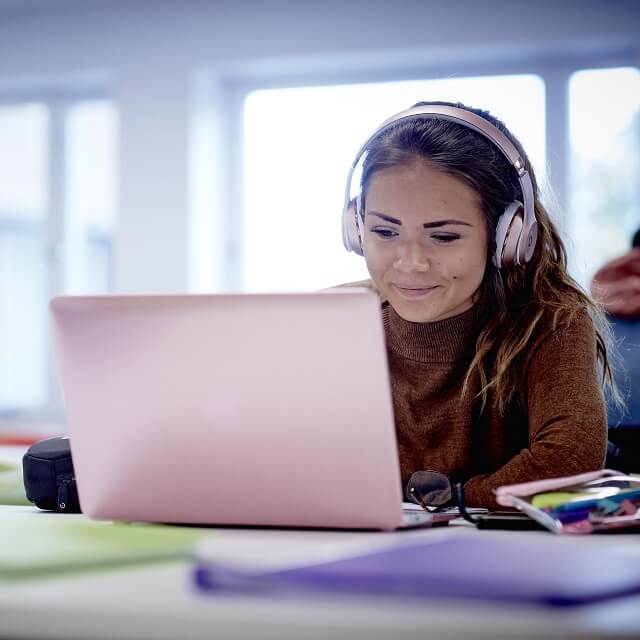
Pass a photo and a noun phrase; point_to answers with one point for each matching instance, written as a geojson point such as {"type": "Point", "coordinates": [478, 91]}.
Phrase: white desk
{"type": "Point", "coordinates": [160, 601]}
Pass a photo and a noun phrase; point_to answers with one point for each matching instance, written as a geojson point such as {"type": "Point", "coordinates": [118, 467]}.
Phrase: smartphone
{"type": "Point", "coordinates": [510, 520]}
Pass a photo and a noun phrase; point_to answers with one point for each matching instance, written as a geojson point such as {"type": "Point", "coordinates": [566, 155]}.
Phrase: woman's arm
{"type": "Point", "coordinates": [566, 412]}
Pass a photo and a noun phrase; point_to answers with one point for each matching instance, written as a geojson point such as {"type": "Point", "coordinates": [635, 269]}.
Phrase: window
{"type": "Point", "coordinates": [23, 255]}
{"type": "Point", "coordinates": [604, 116]}
{"type": "Point", "coordinates": [91, 196]}
{"type": "Point", "coordinates": [299, 144]}
{"type": "Point", "coordinates": [57, 218]}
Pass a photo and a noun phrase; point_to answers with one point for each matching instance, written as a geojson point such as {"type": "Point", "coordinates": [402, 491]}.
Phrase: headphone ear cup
{"type": "Point", "coordinates": [350, 227]}
{"type": "Point", "coordinates": [508, 232]}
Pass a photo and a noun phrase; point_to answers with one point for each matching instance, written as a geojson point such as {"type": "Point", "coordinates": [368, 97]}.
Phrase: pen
{"type": "Point", "coordinates": [592, 503]}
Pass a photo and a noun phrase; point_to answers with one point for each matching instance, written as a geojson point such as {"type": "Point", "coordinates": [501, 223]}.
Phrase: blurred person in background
{"type": "Point", "coordinates": [617, 284]}
{"type": "Point", "coordinates": [617, 287]}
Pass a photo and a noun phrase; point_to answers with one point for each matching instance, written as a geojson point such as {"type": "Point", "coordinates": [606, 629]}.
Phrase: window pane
{"type": "Point", "coordinates": [23, 160]}
{"type": "Point", "coordinates": [91, 196]}
{"type": "Point", "coordinates": [23, 272]}
{"type": "Point", "coordinates": [605, 165]}
{"type": "Point", "coordinates": [299, 144]}
{"type": "Point", "coordinates": [23, 313]}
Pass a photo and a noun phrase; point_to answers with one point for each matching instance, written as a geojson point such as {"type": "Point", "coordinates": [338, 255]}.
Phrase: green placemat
{"type": "Point", "coordinates": [36, 544]}
{"type": "Point", "coordinates": [11, 484]}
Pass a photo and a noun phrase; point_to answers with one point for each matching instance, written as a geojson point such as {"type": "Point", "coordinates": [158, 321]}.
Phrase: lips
{"type": "Point", "coordinates": [413, 291]}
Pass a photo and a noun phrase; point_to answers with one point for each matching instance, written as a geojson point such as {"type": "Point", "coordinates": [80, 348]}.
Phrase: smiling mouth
{"type": "Point", "coordinates": [414, 292]}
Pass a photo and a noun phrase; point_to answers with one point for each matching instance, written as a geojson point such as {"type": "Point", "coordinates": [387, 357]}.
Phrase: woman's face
{"type": "Point", "coordinates": [425, 241]}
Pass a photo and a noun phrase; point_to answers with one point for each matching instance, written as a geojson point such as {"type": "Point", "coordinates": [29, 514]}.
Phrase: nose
{"type": "Point", "coordinates": [412, 257]}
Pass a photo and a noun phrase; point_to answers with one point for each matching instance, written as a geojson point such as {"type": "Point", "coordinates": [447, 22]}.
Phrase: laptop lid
{"type": "Point", "coordinates": [245, 409]}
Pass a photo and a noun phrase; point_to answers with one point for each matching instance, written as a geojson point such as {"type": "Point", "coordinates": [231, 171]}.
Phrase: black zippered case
{"type": "Point", "coordinates": [49, 479]}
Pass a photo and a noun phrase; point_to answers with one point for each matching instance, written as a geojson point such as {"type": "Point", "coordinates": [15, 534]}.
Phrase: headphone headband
{"type": "Point", "coordinates": [527, 239]}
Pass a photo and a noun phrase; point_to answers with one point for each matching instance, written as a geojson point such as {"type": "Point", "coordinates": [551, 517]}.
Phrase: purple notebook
{"type": "Point", "coordinates": [498, 569]}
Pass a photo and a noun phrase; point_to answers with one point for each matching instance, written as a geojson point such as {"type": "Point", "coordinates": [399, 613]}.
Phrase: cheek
{"type": "Point", "coordinates": [468, 270]}
{"type": "Point", "coordinates": [375, 261]}
{"type": "Point", "coordinates": [372, 267]}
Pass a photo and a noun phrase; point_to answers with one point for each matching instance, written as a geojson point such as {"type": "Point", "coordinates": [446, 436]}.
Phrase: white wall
{"type": "Point", "coordinates": [152, 55]}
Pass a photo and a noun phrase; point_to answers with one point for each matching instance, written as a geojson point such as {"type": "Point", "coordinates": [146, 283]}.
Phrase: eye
{"type": "Point", "coordinates": [384, 232]}
{"type": "Point", "coordinates": [445, 238]}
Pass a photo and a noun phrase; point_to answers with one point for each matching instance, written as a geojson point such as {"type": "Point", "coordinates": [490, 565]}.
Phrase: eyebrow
{"type": "Point", "coordinates": [426, 225]}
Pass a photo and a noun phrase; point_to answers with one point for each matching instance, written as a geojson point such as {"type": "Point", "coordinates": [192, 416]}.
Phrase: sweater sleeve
{"type": "Point", "coordinates": [567, 421]}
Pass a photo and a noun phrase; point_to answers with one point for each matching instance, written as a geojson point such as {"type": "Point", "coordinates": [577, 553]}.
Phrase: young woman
{"type": "Point", "coordinates": [497, 357]}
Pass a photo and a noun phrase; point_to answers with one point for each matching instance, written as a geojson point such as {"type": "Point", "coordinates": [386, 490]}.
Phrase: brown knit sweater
{"type": "Point", "coordinates": [560, 429]}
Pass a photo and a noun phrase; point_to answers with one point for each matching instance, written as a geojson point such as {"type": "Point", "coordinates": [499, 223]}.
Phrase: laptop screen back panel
{"type": "Point", "coordinates": [265, 409]}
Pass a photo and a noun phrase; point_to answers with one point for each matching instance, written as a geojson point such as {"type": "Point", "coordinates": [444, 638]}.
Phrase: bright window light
{"type": "Point", "coordinates": [299, 144]}
{"type": "Point", "coordinates": [605, 166]}
{"type": "Point", "coordinates": [23, 160]}
{"type": "Point", "coordinates": [91, 195]}
{"type": "Point", "coordinates": [23, 256]}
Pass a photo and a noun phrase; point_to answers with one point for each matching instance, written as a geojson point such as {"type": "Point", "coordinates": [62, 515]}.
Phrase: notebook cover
{"type": "Point", "coordinates": [478, 568]}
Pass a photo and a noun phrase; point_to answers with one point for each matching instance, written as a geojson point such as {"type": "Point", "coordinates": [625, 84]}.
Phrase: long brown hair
{"type": "Point", "coordinates": [513, 304]}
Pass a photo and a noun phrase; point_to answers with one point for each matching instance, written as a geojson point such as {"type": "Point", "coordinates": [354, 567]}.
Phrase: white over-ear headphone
{"type": "Point", "coordinates": [517, 228]}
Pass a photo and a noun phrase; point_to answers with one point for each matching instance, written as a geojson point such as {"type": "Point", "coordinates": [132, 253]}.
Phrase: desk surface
{"type": "Point", "coordinates": [160, 601]}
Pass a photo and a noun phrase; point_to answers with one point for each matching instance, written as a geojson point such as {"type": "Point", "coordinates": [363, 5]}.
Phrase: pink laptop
{"type": "Point", "coordinates": [231, 409]}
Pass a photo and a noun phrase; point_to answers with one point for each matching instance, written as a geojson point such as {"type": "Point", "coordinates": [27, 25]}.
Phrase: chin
{"type": "Point", "coordinates": [406, 312]}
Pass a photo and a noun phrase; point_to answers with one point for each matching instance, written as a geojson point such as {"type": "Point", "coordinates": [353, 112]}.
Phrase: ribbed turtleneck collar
{"type": "Point", "coordinates": [442, 341]}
